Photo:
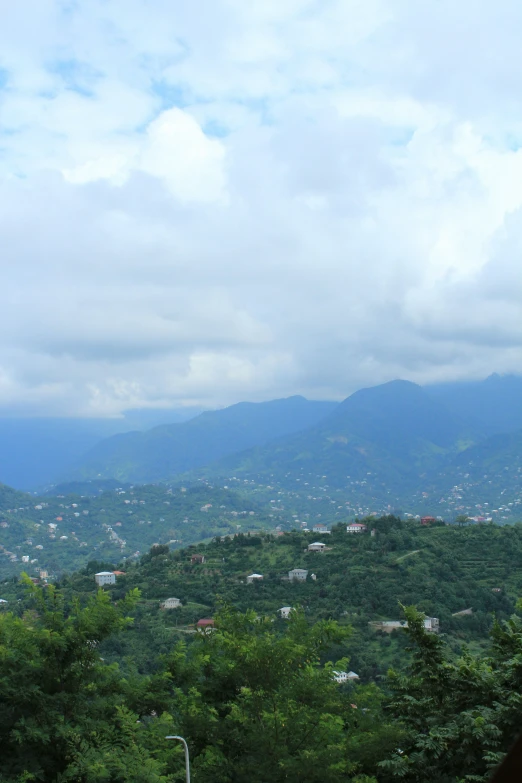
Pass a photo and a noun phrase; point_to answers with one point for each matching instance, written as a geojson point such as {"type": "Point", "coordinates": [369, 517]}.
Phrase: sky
{"type": "Point", "coordinates": [218, 200]}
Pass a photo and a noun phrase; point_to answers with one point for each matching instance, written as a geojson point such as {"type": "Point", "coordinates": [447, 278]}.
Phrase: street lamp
{"type": "Point", "coordinates": [187, 760]}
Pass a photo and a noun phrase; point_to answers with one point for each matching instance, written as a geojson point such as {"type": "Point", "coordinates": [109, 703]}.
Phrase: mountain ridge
{"type": "Point", "coordinates": [161, 453]}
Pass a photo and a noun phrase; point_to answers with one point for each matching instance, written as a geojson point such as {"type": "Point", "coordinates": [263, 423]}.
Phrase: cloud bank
{"type": "Point", "coordinates": [212, 201]}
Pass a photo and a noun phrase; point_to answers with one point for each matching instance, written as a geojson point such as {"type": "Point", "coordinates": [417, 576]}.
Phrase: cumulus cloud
{"type": "Point", "coordinates": [224, 200]}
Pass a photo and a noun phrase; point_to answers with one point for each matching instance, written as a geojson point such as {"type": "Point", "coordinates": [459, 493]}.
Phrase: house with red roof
{"type": "Point", "coordinates": [205, 623]}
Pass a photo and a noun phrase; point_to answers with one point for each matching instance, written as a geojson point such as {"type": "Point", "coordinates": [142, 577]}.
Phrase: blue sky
{"type": "Point", "coordinates": [213, 201]}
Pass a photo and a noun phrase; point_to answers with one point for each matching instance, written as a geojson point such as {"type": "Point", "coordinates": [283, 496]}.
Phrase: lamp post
{"type": "Point", "coordinates": [187, 760]}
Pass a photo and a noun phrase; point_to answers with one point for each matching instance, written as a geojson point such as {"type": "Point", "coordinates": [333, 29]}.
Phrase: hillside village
{"type": "Point", "coordinates": [457, 576]}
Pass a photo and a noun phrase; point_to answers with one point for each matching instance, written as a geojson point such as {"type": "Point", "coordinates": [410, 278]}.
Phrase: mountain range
{"type": "Point", "coordinates": [396, 432]}
{"type": "Point", "coordinates": [401, 435]}
{"type": "Point", "coordinates": [35, 452]}
{"type": "Point", "coordinates": [163, 452]}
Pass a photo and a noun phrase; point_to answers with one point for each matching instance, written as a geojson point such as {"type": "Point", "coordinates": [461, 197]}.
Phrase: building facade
{"type": "Point", "coordinates": [171, 603]}
{"type": "Point", "coordinates": [298, 575]}
{"type": "Point", "coordinates": [105, 578]}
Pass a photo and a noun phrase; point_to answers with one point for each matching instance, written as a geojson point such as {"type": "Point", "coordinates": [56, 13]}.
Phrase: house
{"type": "Point", "coordinates": [119, 573]}
{"type": "Point", "coordinates": [355, 527]}
{"type": "Point", "coordinates": [345, 676]}
{"type": "Point", "coordinates": [253, 578]}
{"type": "Point", "coordinates": [431, 624]}
{"type": "Point", "coordinates": [197, 559]}
{"type": "Point", "coordinates": [320, 528]}
{"type": "Point", "coordinates": [170, 603]}
{"type": "Point", "coordinates": [427, 520]}
{"type": "Point", "coordinates": [317, 546]}
{"type": "Point", "coordinates": [389, 625]}
{"type": "Point", "coordinates": [285, 612]}
{"type": "Point", "coordinates": [298, 575]}
{"type": "Point", "coordinates": [104, 578]}
{"type": "Point", "coordinates": [207, 623]}
{"type": "Point", "coordinates": [3, 601]}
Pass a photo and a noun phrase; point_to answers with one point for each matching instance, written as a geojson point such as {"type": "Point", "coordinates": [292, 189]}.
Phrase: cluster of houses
{"type": "Point", "coordinates": [353, 527]}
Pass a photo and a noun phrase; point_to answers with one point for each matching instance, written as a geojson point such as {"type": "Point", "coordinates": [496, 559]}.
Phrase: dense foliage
{"type": "Point", "coordinates": [255, 699]}
{"type": "Point", "coordinates": [360, 579]}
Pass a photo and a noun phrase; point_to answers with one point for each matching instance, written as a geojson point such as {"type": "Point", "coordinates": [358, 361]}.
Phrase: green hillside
{"type": "Point", "coordinates": [162, 452]}
{"type": "Point", "coordinates": [395, 432]}
{"type": "Point", "coordinates": [62, 533]}
{"type": "Point", "coordinates": [94, 680]}
{"type": "Point", "coordinates": [359, 579]}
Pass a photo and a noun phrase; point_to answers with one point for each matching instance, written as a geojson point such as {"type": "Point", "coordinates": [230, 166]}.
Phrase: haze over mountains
{"type": "Point", "coordinates": [36, 451]}
{"type": "Point", "coordinates": [165, 451]}
{"type": "Point", "coordinates": [281, 464]}
{"type": "Point", "coordinates": [397, 432]}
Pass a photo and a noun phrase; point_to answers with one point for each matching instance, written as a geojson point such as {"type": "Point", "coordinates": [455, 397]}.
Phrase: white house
{"type": "Point", "coordinates": [317, 546]}
{"type": "Point", "coordinates": [345, 676]}
{"type": "Point", "coordinates": [3, 601]}
{"type": "Point", "coordinates": [320, 528]}
{"type": "Point", "coordinates": [253, 578]}
{"type": "Point", "coordinates": [285, 612]}
{"type": "Point", "coordinates": [105, 578]}
{"type": "Point", "coordinates": [298, 575]}
{"type": "Point", "coordinates": [170, 603]}
{"type": "Point", "coordinates": [431, 624]}
{"type": "Point", "coordinates": [355, 527]}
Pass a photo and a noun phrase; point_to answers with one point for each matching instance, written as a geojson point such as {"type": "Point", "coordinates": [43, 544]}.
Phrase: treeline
{"type": "Point", "coordinates": [255, 700]}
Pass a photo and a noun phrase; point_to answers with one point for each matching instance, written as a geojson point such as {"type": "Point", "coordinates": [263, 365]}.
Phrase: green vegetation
{"type": "Point", "coordinates": [63, 533]}
{"type": "Point", "coordinates": [360, 579]}
{"type": "Point", "coordinates": [256, 699]}
{"type": "Point", "coordinates": [395, 447]}
{"type": "Point", "coordinates": [168, 450]}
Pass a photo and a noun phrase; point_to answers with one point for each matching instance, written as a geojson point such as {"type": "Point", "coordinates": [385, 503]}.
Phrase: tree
{"type": "Point", "coordinates": [461, 716]}
{"type": "Point", "coordinates": [63, 715]}
{"type": "Point", "coordinates": [259, 705]}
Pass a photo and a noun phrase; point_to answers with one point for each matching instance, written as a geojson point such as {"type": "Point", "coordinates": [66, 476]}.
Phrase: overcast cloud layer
{"type": "Point", "coordinates": [208, 201]}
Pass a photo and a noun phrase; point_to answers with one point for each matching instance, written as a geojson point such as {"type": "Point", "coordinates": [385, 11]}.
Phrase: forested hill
{"type": "Point", "coordinates": [495, 404]}
{"type": "Point", "coordinates": [61, 533]}
{"type": "Point", "coordinates": [394, 432]}
{"type": "Point", "coordinates": [165, 451]}
{"type": "Point", "coordinates": [94, 680]}
{"type": "Point", "coordinates": [359, 579]}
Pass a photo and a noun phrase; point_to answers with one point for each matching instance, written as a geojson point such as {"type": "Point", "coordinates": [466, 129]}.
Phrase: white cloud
{"type": "Point", "coordinates": [179, 152]}
{"type": "Point", "coordinates": [223, 200]}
